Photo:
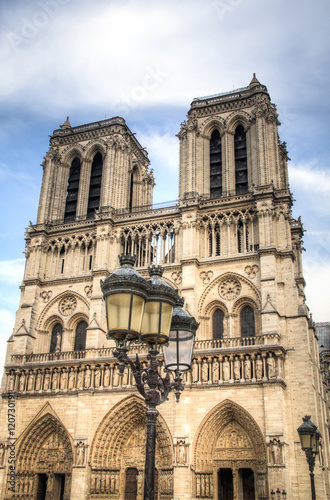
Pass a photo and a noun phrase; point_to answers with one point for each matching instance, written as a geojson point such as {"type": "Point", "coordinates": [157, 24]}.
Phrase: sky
{"type": "Point", "coordinates": [146, 60]}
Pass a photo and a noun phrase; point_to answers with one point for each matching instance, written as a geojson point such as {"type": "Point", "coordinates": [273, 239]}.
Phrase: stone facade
{"type": "Point", "coordinates": [232, 248]}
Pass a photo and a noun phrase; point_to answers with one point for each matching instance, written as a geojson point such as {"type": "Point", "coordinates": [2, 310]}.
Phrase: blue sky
{"type": "Point", "coordinates": [146, 60]}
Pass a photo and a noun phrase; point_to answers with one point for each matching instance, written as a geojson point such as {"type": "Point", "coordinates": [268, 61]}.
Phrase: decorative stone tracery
{"type": "Point", "coordinates": [45, 448]}
{"type": "Point", "coordinates": [228, 437]}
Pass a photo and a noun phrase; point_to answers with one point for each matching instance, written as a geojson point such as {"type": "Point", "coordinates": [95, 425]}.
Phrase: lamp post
{"type": "Point", "coordinates": [141, 311]}
{"type": "Point", "coordinates": [309, 439]}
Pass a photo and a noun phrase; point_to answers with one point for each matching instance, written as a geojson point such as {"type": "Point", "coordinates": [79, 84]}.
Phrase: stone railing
{"type": "Point", "coordinates": [251, 364]}
{"type": "Point", "coordinates": [107, 352]}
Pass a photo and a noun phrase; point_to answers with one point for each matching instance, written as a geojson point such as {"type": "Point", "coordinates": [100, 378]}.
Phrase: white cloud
{"type": "Point", "coordinates": [11, 271]}
{"type": "Point", "coordinates": [310, 177]}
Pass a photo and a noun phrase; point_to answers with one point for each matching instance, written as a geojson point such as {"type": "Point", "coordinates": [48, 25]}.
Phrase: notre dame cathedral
{"type": "Point", "coordinates": [71, 427]}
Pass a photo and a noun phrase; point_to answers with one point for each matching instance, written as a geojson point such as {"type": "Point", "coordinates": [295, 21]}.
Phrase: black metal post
{"type": "Point", "coordinates": [149, 469]}
{"type": "Point", "coordinates": [311, 463]}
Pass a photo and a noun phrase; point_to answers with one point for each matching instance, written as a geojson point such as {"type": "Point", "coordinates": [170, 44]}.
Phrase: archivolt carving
{"type": "Point", "coordinates": [45, 446]}
{"type": "Point", "coordinates": [235, 119]}
{"type": "Point", "coordinates": [123, 430]}
{"type": "Point", "coordinates": [228, 427]}
{"type": "Point", "coordinates": [41, 325]}
{"type": "Point", "coordinates": [226, 276]}
{"type": "Point", "coordinates": [70, 152]}
{"type": "Point", "coordinates": [211, 123]}
{"type": "Point", "coordinates": [93, 147]}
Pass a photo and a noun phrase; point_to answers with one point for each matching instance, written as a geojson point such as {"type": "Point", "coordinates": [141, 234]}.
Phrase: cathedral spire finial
{"type": "Point", "coordinates": [254, 81]}
{"type": "Point", "coordinates": [66, 124]}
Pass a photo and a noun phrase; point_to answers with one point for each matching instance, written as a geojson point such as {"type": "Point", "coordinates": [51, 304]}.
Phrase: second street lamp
{"type": "Point", "coordinates": [310, 441]}
{"type": "Point", "coordinates": [140, 310]}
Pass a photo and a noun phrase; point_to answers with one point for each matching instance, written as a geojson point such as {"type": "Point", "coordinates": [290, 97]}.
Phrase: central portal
{"type": "Point", "coordinates": [243, 485]}
{"type": "Point", "coordinates": [225, 484]}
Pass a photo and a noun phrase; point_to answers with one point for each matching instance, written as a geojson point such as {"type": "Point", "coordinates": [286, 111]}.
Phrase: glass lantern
{"type": "Point", "coordinates": [125, 292]}
{"type": "Point", "coordinates": [178, 351]}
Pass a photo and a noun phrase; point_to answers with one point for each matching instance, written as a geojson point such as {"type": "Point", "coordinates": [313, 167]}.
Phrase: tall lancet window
{"type": "Point", "coordinates": [95, 185]}
{"type": "Point", "coordinates": [72, 191]}
{"type": "Point", "coordinates": [215, 165]}
{"type": "Point", "coordinates": [241, 172]}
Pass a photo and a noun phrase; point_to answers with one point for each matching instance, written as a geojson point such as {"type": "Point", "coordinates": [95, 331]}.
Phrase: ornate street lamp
{"type": "Point", "coordinates": [141, 311]}
{"type": "Point", "coordinates": [310, 440]}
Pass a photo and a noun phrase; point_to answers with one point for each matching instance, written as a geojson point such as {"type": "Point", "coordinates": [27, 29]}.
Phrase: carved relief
{"type": "Point", "coordinates": [275, 452]}
{"type": "Point", "coordinates": [46, 296]}
{"type": "Point", "coordinates": [251, 271]}
{"type": "Point", "coordinates": [80, 453]}
{"type": "Point", "coordinates": [88, 290]}
{"type": "Point", "coordinates": [181, 452]}
{"type": "Point", "coordinates": [67, 305]}
{"type": "Point", "coordinates": [206, 277]}
{"type": "Point", "coordinates": [177, 277]}
{"type": "Point", "coordinates": [230, 289]}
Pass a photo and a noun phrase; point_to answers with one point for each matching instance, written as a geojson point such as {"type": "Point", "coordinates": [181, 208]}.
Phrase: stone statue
{"type": "Point", "coordinates": [46, 381]}
{"type": "Point", "coordinates": [38, 382]}
{"type": "Point", "coordinates": [22, 382]}
{"type": "Point", "coordinates": [205, 371]}
{"type": "Point", "coordinates": [181, 452]}
{"type": "Point", "coordinates": [226, 370]}
{"type": "Point", "coordinates": [55, 380]}
{"type": "Point", "coordinates": [11, 382]}
{"type": "Point", "coordinates": [58, 342]}
{"type": "Point", "coordinates": [215, 370]}
{"type": "Point", "coordinates": [97, 379]}
{"type": "Point", "coordinates": [258, 368]}
{"type": "Point", "coordinates": [87, 378]}
{"type": "Point", "coordinates": [195, 371]}
{"type": "Point", "coordinates": [106, 377]}
{"type": "Point", "coordinates": [30, 382]}
{"type": "Point", "coordinates": [80, 453]}
{"type": "Point", "coordinates": [247, 369]}
{"type": "Point", "coordinates": [237, 369]}
{"type": "Point", "coordinates": [64, 379]}
{"type": "Point", "coordinates": [271, 366]}
{"type": "Point", "coordinates": [71, 380]}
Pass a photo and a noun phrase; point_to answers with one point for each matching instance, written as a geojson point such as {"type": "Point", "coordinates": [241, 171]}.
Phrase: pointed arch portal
{"type": "Point", "coordinates": [118, 453]}
{"type": "Point", "coordinates": [44, 461]}
{"type": "Point", "coordinates": [229, 455]}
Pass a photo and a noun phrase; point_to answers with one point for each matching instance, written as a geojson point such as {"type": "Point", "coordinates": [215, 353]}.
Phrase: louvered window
{"type": "Point", "coordinates": [215, 165]}
{"type": "Point", "coordinates": [72, 191]}
{"type": "Point", "coordinates": [241, 173]}
{"type": "Point", "coordinates": [95, 186]}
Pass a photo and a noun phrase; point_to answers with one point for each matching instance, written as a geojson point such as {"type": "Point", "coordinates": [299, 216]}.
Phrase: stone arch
{"type": "Point", "coordinates": [208, 446]}
{"type": "Point", "coordinates": [238, 118]}
{"type": "Point", "coordinates": [45, 448]}
{"type": "Point", "coordinates": [70, 152]}
{"type": "Point", "coordinates": [229, 438]}
{"type": "Point", "coordinates": [115, 432]}
{"type": "Point", "coordinates": [119, 444]}
{"type": "Point", "coordinates": [49, 308]}
{"type": "Point", "coordinates": [211, 124]}
{"type": "Point", "coordinates": [250, 291]}
{"type": "Point", "coordinates": [93, 147]}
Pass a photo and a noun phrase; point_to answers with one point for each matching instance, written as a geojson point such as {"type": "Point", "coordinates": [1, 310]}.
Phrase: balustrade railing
{"type": "Point", "coordinates": [107, 352]}
{"type": "Point", "coordinates": [251, 364]}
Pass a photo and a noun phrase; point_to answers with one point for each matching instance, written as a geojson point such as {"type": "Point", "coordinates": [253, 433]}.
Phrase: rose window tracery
{"type": "Point", "coordinates": [230, 289]}
{"type": "Point", "coordinates": [67, 305]}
